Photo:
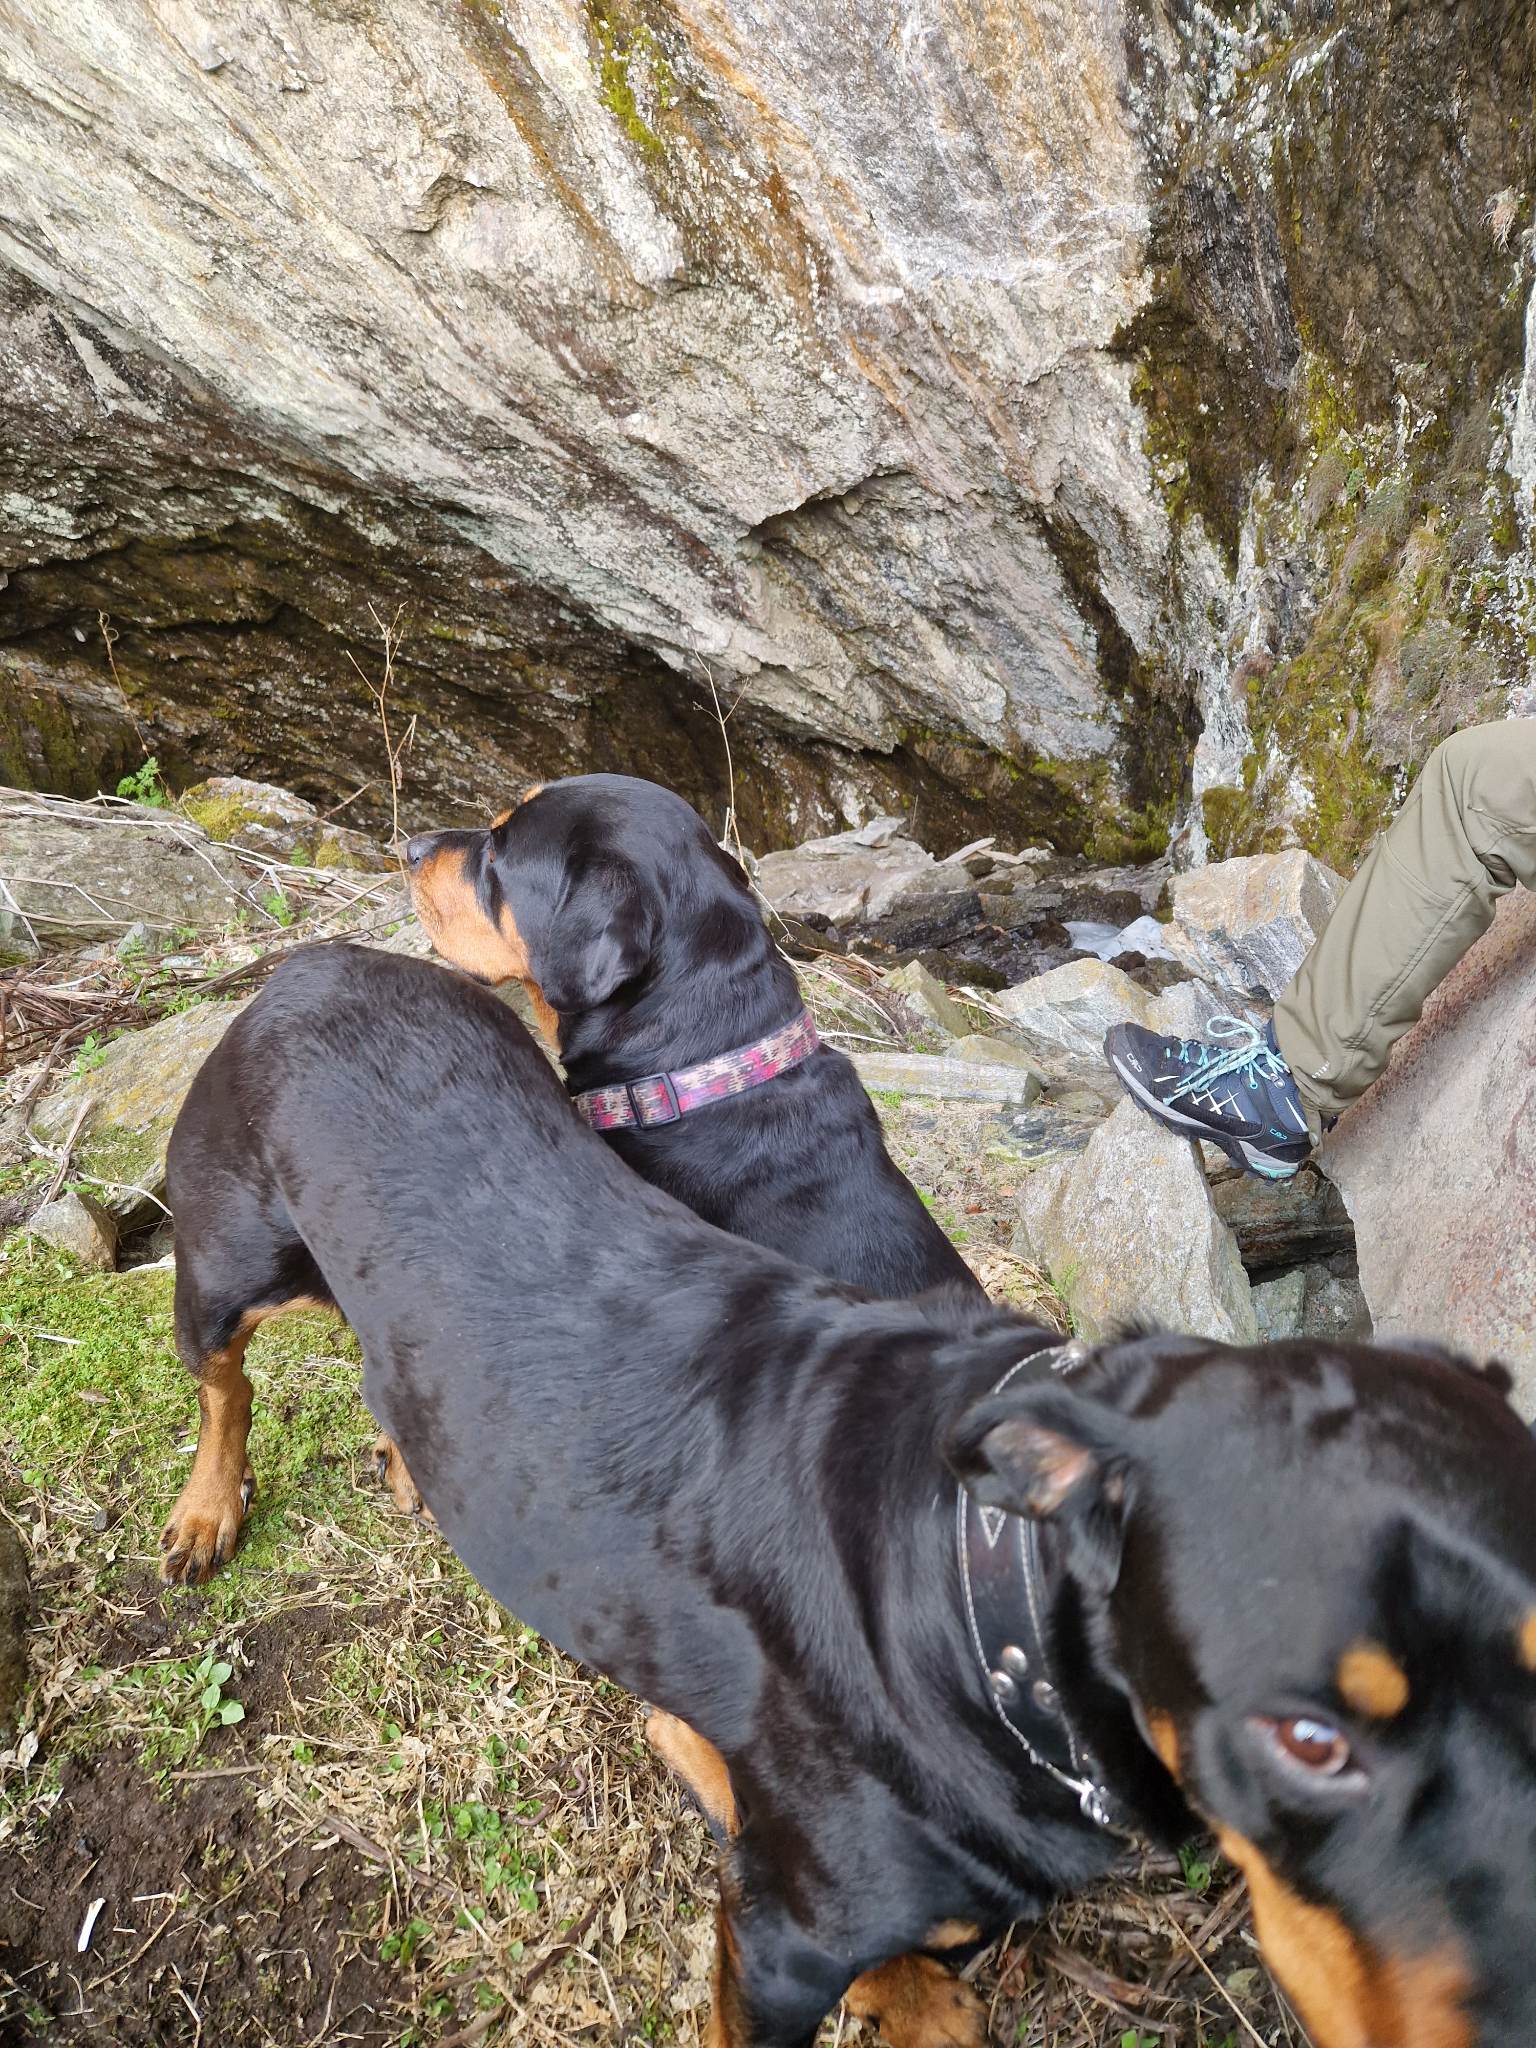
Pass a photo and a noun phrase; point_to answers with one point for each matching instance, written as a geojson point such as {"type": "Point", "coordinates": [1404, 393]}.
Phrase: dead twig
{"type": "Point", "coordinates": [394, 751]}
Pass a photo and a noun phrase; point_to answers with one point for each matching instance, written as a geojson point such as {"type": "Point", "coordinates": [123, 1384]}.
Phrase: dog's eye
{"type": "Point", "coordinates": [1315, 1747]}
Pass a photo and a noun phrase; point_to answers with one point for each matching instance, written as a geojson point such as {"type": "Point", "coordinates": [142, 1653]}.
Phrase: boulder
{"type": "Point", "coordinates": [1436, 1161]}
{"type": "Point", "coordinates": [75, 874]}
{"type": "Point", "coordinates": [1247, 925]}
{"type": "Point", "coordinates": [927, 996]}
{"type": "Point", "coordinates": [1127, 1231]}
{"type": "Point", "coordinates": [77, 1224]}
{"type": "Point", "coordinates": [239, 812]}
{"type": "Point", "coordinates": [849, 878]}
{"type": "Point", "coordinates": [130, 1103]}
{"type": "Point", "coordinates": [1060, 1018]}
{"type": "Point", "coordinates": [15, 1613]}
{"type": "Point", "coordinates": [945, 1077]}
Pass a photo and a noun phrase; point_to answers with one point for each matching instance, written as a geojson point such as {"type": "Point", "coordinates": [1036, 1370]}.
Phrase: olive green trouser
{"type": "Point", "coordinates": [1425, 891]}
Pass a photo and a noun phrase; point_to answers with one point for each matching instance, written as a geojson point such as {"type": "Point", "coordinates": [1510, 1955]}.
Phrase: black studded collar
{"type": "Point", "coordinates": [1002, 1575]}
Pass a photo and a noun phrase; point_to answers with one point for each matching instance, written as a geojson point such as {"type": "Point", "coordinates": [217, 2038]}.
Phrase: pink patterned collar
{"type": "Point", "coordinates": [663, 1098]}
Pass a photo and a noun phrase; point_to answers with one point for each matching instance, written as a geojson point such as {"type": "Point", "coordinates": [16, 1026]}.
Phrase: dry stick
{"type": "Point", "coordinates": [87, 1104]}
{"type": "Point", "coordinates": [109, 634]}
{"type": "Point", "coordinates": [1242, 2018]}
{"type": "Point", "coordinates": [394, 754]}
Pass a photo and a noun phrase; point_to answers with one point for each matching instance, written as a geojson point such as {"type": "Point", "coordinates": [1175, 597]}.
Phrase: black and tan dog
{"type": "Point", "coordinates": [1291, 1589]}
{"type": "Point", "coordinates": [645, 954]}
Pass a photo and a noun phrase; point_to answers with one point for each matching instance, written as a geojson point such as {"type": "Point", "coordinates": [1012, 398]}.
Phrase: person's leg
{"type": "Point", "coordinates": [1428, 888]}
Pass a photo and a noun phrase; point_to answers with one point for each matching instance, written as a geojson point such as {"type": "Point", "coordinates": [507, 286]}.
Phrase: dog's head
{"type": "Point", "coordinates": [580, 891]}
{"type": "Point", "coordinates": [1311, 1572]}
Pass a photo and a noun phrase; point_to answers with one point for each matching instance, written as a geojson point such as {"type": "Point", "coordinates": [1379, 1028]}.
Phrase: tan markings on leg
{"type": "Point", "coordinates": [1527, 1642]}
{"type": "Point", "coordinates": [727, 2026]}
{"type": "Point", "coordinates": [700, 1766]}
{"type": "Point", "coordinates": [500, 819]}
{"type": "Point", "coordinates": [916, 2003]}
{"type": "Point", "coordinates": [1372, 1681]}
{"type": "Point", "coordinates": [951, 1934]}
{"type": "Point", "coordinates": [1347, 1994]}
{"type": "Point", "coordinates": [390, 1470]}
{"type": "Point", "coordinates": [203, 1525]}
{"type": "Point", "coordinates": [529, 794]}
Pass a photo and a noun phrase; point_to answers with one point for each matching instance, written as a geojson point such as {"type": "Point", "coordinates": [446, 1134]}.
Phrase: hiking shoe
{"type": "Point", "coordinates": [1238, 1094]}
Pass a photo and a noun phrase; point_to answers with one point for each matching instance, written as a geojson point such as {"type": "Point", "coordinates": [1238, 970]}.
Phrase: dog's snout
{"type": "Point", "coordinates": [417, 849]}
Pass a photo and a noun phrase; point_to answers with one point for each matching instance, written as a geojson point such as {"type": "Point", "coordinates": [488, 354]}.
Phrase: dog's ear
{"type": "Point", "coordinates": [1055, 1454]}
{"type": "Point", "coordinates": [598, 936]}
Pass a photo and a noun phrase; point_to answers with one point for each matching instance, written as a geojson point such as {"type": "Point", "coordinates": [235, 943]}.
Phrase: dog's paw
{"type": "Point", "coordinates": [203, 1529]}
{"type": "Point", "coordinates": [390, 1469]}
{"type": "Point", "coordinates": [914, 2002]}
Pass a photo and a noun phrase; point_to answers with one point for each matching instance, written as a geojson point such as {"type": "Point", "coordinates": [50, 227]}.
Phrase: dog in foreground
{"type": "Point", "coordinates": [1291, 1591]}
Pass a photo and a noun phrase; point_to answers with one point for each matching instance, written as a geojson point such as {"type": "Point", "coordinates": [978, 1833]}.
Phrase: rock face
{"type": "Point", "coordinates": [1127, 1232]}
{"type": "Point", "coordinates": [1436, 1164]}
{"type": "Point", "coordinates": [933, 386]}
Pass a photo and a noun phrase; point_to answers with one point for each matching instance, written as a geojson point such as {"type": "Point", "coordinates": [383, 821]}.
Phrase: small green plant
{"type": "Point", "coordinates": [93, 1051]}
{"type": "Point", "coordinates": [404, 1944]}
{"type": "Point", "coordinates": [144, 785]}
{"type": "Point", "coordinates": [277, 906]}
{"type": "Point", "coordinates": [1196, 1869]}
{"type": "Point", "coordinates": [1134, 2038]}
{"type": "Point", "coordinates": [216, 1708]}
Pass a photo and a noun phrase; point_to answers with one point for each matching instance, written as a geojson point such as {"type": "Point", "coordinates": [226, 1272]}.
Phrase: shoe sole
{"type": "Point", "coordinates": [1250, 1158]}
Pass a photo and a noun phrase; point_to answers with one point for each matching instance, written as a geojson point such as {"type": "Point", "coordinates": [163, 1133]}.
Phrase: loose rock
{"type": "Point", "coordinates": [1247, 925]}
{"type": "Point", "coordinates": [925, 994]}
{"type": "Point", "coordinates": [947, 1078]}
{"type": "Point", "coordinates": [849, 878]}
{"type": "Point", "coordinates": [77, 1224]}
{"type": "Point", "coordinates": [1061, 1017]}
{"type": "Point", "coordinates": [1278, 1305]}
{"type": "Point", "coordinates": [1279, 1222]}
{"type": "Point", "coordinates": [1128, 1231]}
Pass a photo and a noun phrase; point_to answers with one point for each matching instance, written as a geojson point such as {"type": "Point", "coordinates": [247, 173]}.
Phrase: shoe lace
{"type": "Point", "coordinates": [1251, 1058]}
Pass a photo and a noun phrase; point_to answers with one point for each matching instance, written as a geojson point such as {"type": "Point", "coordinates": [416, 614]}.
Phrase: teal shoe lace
{"type": "Point", "coordinates": [1251, 1059]}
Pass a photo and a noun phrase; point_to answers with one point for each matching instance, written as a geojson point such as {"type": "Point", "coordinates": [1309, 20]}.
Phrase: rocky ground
{"type": "Point", "coordinates": [340, 1795]}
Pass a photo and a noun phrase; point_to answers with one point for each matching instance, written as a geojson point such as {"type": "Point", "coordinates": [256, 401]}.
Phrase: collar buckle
{"type": "Point", "coordinates": [653, 1098]}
